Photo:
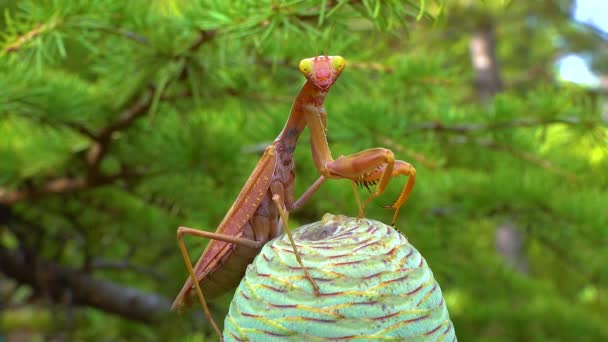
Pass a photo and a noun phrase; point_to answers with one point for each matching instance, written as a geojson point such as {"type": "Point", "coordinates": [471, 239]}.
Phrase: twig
{"type": "Point", "coordinates": [173, 97]}
{"type": "Point", "coordinates": [103, 138]}
{"type": "Point", "coordinates": [545, 164]}
{"type": "Point", "coordinates": [134, 111]}
{"type": "Point", "coordinates": [204, 36]}
{"type": "Point", "coordinates": [117, 31]}
{"type": "Point", "coordinates": [484, 127]}
{"type": "Point", "coordinates": [25, 38]}
{"type": "Point", "coordinates": [417, 156]}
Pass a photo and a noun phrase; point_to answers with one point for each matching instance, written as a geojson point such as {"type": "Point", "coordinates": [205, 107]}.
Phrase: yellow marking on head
{"type": "Point", "coordinates": [338, 63]}
{"type": "Point", "coordinates": [305, 66]}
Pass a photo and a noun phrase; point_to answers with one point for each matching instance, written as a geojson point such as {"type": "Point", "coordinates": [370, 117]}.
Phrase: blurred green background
{"type": "Point", "coordinates": [120, 120]}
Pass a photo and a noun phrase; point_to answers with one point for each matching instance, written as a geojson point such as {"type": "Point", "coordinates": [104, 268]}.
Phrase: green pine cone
{"type": "Point", "coordinates": [374, 286]}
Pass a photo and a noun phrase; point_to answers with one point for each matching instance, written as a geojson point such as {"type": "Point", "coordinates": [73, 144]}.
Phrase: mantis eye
{"type": "Point", "coordinates": [338, 63]}
{"type": "Point", "coordinates": [305, 66]}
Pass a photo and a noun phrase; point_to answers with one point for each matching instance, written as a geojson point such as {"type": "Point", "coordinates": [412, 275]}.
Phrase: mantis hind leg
{"type": "Point", "coordinates": [181, 231]}
{"type": "Point", "coordinates": [285, 218]}
{"type": "Point", "coordinates": [199, 292]}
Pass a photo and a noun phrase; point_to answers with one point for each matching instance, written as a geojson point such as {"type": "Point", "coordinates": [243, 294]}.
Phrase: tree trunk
{"type": "Point", "coordinates": [485, 63]}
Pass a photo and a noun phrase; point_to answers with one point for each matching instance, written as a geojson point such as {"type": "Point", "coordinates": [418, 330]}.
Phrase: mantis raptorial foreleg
{"type": "Point", "coordinates": [379, 168]}
{"type": "Point", "coordinates": [181, 231]}
{"type": "Point", "coordinates": [285, 219]}
{"type": "Point", "coordinates": [371, 166]}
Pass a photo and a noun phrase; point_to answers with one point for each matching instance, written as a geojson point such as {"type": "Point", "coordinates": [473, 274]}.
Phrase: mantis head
{"type": "Point", "coordinates": [322, 71]}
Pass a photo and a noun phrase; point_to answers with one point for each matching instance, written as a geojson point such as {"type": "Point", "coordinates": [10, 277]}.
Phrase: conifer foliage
{"type": "Point", "coordinates": [120, 120]}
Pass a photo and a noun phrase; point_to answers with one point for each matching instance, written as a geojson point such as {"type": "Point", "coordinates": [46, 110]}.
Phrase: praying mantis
{"type": "Point", "coordinates": [262, 207]}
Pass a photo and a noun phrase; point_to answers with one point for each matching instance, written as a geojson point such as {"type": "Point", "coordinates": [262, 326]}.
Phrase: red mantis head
{"type": "Point", "coordinates": [322, 71]}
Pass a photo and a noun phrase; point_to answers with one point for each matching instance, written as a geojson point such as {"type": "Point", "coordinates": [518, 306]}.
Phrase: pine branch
{"type": "Point", "coordinates": [63, 185]}
{"type": "Point", "coordinates": [139, 39]}
{"type": "Point", "coordinates": [469, 129]}
{"type": "Point", "coordinates": [525, 156]}
{"type": "Point", "coordinates": [40, 29]}
{"type": "Point", "coordinates": [45, 120]}
{"type": "Point", "coordinates": [103, 139]}
{"type": "Point", "coordinates": [25, 38]}
{"type": "Point", "coordinates": [84, 289]}
{"type": "Point", "coordinates": [545, 164]}
{"type": "Point", "coordinates": [59, 282]}
{"type": "Point", "coordinates": [564, 255]}
{"type": "Point", "coordinates": [204, 36]}
{"type": "Point", "coordinates": [485, 127]}
{"type": "Point", "coordinates": [134, 111]}
{"type": "Point", "coordinates": [401, 149]}
{"type": "Point", "coordinates": [101, 145]}
{"type": "Point", "coordinates": [79, 128]}
{"type": "Point", "coordinates": [172, 97]}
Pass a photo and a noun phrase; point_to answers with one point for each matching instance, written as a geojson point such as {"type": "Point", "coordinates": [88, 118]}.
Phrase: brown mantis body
{"type": "Point", "coordinates": [268, 194]}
